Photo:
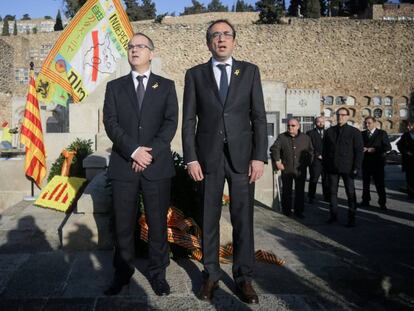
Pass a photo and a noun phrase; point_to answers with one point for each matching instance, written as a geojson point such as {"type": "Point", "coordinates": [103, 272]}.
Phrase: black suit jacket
{"type": "Point", "coordinates": [342, 151]}
{"type": "Point", "coordinates": [207, 122]}
{"type": "Point", "coordinates": [379, 140]}
{"type": "Point", "coordinates": [127, 127]}
{"type": "Point", "coordinates": [317, 142]}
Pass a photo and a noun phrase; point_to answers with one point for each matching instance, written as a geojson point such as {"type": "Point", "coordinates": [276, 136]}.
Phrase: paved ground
{"type": "Point", "coordinates": [328, 267]}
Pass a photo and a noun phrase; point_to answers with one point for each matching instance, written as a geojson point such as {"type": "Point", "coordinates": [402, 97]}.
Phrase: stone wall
{"type": "Point", "coordinates": [6, 80]}
{"type": "Point", "coordinates": [339, 57]}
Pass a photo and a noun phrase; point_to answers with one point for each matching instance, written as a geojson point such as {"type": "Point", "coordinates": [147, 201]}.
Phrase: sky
{"type": "Point", "coordinates": [40, 8]}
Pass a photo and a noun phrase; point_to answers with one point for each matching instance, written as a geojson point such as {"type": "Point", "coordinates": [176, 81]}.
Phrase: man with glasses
{"type": "Point", "coordinates": [376, 144]}
{"type": "Point", "coordinates": [342, 157]}
{"type": "Point", "coordinates": [292, 153]}
{"type": "Point", "coordinates": [140, 117]}
{"type": "Point", "coordinates": [224, 138]}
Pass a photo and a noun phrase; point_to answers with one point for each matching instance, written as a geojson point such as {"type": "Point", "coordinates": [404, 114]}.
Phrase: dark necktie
{"type": "Point", "coordinates": [369, 134]}
{"type": "Point", "coordinates": [140, 91]}
{"type": "Point", "coordinates": [224, 82]}
{"type": "Point", "coordinates": [321, 133]}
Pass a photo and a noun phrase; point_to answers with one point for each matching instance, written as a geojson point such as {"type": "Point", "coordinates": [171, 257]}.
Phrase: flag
{"type": "Point", "coordinates": [32, 136]}
{"type": "Point", "coordinates": [86, 53]}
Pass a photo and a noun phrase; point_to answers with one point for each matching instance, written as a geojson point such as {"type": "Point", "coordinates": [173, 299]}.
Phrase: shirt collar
{"type": "Point", "coordinates": [215, 62]}
{"type": "Point", "coordinates": [372, 132]}
{"type": "Point", "coordinates": [135, 74]}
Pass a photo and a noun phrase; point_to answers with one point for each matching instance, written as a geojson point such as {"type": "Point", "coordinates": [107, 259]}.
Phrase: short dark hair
{"type": "Point", "coordinates": [342, 108]}
{"type": "Point", "coordinates": [372, 118]}
{"type": "Point", "coordinates": [150, 42]}
{"type": "Point", "coordinates": [218, 21]}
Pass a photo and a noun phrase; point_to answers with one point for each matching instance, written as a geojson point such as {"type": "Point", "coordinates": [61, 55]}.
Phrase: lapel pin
{"type": "Point", "coordinates": [237, 72]}
{"type": "Point", "coordinates": [155, 85]}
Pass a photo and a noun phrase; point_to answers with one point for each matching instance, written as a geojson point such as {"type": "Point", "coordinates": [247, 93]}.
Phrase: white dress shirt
{"type": "Point", "coordinates": [217, 71]}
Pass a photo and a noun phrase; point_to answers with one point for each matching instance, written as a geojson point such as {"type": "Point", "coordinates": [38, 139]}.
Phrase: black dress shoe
{"type": "Point", "coordinates": [207, 290]}
{"type": "Point", "coordinates": [160, 287]}
{"type": "Point", "coordinates": [364, 204]}
{"type": "Point", "coordinates": [247, 292]}
{"type": "Point", "coordinates": [300, 215]}
{"type": "Point", "coordinates": [332, 219]}
{"type": "Point", "coordinates": [116, 287]}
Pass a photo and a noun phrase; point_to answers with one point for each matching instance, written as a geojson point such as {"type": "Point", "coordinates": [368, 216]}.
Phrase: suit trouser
{"type": "Point", "coordinates": [377, 173]}
{"type": "Point", "coordinates": [156, 195]}
{"type": "Point", "coordinates": [316, 170]}
{"type": "Point", "coordinates": [349, 189]}
{"type": "Point", "coordinates": [241, 214]}
{"type": "Point", "coordinates": [287, 186]}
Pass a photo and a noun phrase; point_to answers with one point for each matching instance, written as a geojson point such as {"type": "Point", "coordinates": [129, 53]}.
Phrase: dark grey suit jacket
{"type": "Point", "coordinates": [127, 127]}
{"type": "Point", "coordinates": [207, 123]}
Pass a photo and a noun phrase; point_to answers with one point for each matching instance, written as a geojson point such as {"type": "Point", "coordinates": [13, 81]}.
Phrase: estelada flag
{"type": "Point", "coordinates": [32, 136]}
{"type": "Point", "coordinates": [86, 52]}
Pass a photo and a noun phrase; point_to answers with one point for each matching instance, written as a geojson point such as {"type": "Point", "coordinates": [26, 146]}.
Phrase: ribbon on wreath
{"type": "Point", "coordinates": [186, 233]}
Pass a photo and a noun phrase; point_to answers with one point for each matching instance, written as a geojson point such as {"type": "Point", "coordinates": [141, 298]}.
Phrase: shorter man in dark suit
{"type": "Point", "coordinates": [316, 169]}
{"type": "Point", "coordinates": [342, 156]}
{"type": "Point", "coordinates": [376, 144]}
{"type": "Point", "coordinates": [292, 153]}
{"type": "Point", "coordinates": [140, 117]}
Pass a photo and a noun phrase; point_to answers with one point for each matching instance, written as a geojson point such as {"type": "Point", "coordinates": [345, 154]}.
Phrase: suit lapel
{"type": "Point", "coordinates": [130, 90]}
{"type": "Point", "coordinates": [211, 81]}
{"type": "Point", "coordinates": [150, 91]}
{"type": "Point", "coordinates": [234, 80]}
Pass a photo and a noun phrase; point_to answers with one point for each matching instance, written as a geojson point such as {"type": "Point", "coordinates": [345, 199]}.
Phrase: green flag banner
{"type": "Point", "coordinates": [86, 52]}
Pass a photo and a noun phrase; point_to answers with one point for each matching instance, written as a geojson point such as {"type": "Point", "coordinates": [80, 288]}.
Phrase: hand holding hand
{"type": "Point", "coordinates": [142, 156]}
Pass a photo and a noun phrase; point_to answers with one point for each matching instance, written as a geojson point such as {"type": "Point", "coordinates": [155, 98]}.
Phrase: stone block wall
{"type": "Point", "coordinates": [394, 11]}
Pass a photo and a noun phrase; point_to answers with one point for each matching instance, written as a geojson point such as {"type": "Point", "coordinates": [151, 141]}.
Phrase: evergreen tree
{"type": "Point", "coordinates": [15, 28]}
{"type": "Point", "coordinates": [293, 7]}
{"type": "Point", "coordinates": [132, 10]}
{"type": "Point", "coordinates": [1, 19]}
{"type": "Point", "coordinates": [217, 6]}
{"type": "Point", "coordinates": [242, 6]}
{"type": "Point", "coordinates": [48, 17]}
{"type": "Point", "coordinates": [324, 7]}
{"type": "Point", "coordinates": [26, 17]}
{"type": "Point", "coordinates": [10, 17]}
{"type": "Point", "coordinates": [270, 11]}
{"type": "Point", "coordinates": [196, 8]}
{"type": "Point", "coordinates": [34, 30]}
{"type": "Point", "coordinates": [312, 9]}
{"type": "Point", "coordinates": [58, 24]}
{"type": "Point", "coordinates": [72, 7]}
{"type": "Point", "coordinates": [148, 10]}
{"type": "Point", "coordinates": [284, 6]}
{"type": "Point", "coordinates": [6, 31]}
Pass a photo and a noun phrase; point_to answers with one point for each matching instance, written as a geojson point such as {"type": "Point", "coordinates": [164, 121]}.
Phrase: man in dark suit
{"type": "Point", "coordinates": [342, 157]}
{"type": "Point", "coordinates": [140, 117]}
{"type": "Point", "coordinates": [316, 169]}
{"type": "Point", "coordinates": [406, 147]}
{"type": "Point", "coordinates": [376, 144]}
{"type": "Point", "coordinates": [224, 137]}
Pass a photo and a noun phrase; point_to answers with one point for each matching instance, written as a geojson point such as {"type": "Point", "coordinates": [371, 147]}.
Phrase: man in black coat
{"type": "Point", "coordinates": [376, 144]}
{"type": "Point", "coordinates": [292, 153]}
{"type": "Point", "coordinates": [140, 117]}
{"type": "Point", "coordinates": [406, 147]}
{"type": "Point", "coordinates": [224, 137]}
{"type": "Point", "coordinates": [316, 169]}
{"type": "Point", "coordinates": [342, 156]}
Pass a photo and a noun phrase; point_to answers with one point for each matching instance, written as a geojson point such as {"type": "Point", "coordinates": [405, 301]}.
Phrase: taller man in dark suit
{"type": "Point", "coordinates": [342, 156]}
{"type": "Point", "coordinates": [316, 168]}
{"type": "Point", "coordinates": [140, 118]}
{"type": "Point", "coordinates": [376, 144]}
{"type": "Point", "coordinates": [224, 137]}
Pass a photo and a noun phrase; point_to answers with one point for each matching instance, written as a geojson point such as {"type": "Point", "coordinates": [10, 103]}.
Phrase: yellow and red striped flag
{"type": "Point", "coordinates": [32, 136]}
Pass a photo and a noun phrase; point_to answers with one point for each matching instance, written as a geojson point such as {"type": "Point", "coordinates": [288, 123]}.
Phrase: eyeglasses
{"type": "Point", "coordinates": [225, 34]}
{"type": "Point", "coordinates": [291, 125]}
{"type": "Point", "coordinates": [342, 114]}
{"type": "Point", "coordinates": [138, 46]}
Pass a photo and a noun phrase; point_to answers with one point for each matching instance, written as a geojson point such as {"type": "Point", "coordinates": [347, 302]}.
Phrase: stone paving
{"type": "Point", "coordinates": [328, 267]}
